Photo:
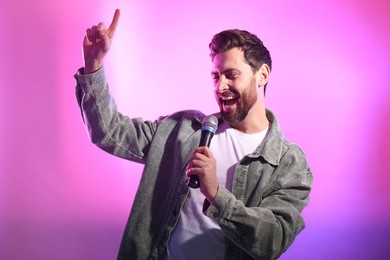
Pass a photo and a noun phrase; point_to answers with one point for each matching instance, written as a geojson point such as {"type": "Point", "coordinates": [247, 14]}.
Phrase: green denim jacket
{"type": "Point", "coordinates": [260, 217]}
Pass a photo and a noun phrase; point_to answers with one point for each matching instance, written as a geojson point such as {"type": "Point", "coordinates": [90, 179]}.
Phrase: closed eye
{"type": "Point", "coordinates": [231, 74]}
{"type": "Point", "coordinates": [215, 77]}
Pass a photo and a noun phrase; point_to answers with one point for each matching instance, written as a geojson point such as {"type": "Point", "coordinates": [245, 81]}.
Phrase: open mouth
{"type": "Point", "coordinates": [228, 100]}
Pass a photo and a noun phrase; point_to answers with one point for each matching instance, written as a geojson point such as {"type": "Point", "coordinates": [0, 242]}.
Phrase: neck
{"type": "Point", "coordinates": [253, 123]}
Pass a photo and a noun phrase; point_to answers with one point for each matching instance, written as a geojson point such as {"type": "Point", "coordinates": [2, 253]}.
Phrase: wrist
{"type": "Point", "coordinates": [211, 196]}
{"type": "Point", "coordinates": [91, 67]}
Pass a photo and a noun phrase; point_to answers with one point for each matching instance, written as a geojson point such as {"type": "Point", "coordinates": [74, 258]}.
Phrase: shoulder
{"type": "Point", "coordinates": [184, 115]}
{"type": "Point", "coordinates": [184, 119]}
{"type": "Point", "coordinates": [293, 149]}
{"type": "Point", "coordinates": [294, 160]}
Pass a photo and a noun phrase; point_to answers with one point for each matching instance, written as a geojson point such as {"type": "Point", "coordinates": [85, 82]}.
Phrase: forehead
{"type": "Point", "coordinates": [231, 59]}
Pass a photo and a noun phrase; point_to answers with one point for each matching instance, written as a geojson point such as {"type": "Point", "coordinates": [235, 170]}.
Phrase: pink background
{"type": "Point", "coordinates": [63, 198]}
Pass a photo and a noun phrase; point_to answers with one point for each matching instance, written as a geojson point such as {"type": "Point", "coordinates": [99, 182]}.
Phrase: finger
{"type": "Point", "coordinates": [189, 172]}
{"type": "Point", "coordinates": [207, 152]}
{"type": "Point", "coordinates": [194, 171]}
{"type": "Point", "coordinates": [88, 34]}
{"type": "Point", "coordinates": [101, 28]}
{"type": "Point", "coordinates": [111, 29]}
{"type": "Point", "coordinates": [199, 159]}
{"type": "Point", "coordinates": [92, 34]}
{"type": "Point", "coordinates": [204, 151]}
{"type": "Point", "coordinates": [102, 35]}
{"type": "Point", "coordinates": [86, 37]}
{"type": "Point", "coordinates": [86, 42]}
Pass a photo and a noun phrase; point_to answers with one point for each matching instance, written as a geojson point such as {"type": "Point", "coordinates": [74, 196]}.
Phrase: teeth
{"type": "Point", "coordinates": [226, 98]}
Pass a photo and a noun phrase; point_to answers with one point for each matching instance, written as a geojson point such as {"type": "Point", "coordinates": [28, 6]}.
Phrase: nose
{"type": "Point", "coordinates": [222, 85]}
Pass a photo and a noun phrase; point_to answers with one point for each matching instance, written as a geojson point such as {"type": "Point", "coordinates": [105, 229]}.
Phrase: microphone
{"type": "Point", "coordinates": [209, 127]}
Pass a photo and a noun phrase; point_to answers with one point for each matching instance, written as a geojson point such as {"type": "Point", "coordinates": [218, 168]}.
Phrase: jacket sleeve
{"type": "Point", "coordinates": [266, 230]}
{"type": "Point", "coordinates": [108, 129]}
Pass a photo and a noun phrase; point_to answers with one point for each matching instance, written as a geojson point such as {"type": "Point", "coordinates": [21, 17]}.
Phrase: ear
{"type": "Point", "coordinates": [263, 75]}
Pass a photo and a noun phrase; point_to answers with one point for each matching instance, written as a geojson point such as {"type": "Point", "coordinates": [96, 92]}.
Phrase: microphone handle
{"type": "Point", "coordinates": [194, 182]}
{"type": "Point", "coordinates": [204, 141]}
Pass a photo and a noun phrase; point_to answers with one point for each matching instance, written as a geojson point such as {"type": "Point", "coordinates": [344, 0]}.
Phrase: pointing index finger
{"type": "Point", "coordinates": [114, 24]}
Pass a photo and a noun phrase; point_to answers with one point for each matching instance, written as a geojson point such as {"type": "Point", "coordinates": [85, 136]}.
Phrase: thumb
{"type": "Point", "coordinates": [106, 42]}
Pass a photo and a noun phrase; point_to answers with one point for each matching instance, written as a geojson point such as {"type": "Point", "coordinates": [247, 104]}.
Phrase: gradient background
{"type": "Point", "coordinates": [63, 198]}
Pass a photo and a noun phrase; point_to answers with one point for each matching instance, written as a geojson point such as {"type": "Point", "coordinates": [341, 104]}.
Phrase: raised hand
{"type": "Point", "coordinates": [97, 43]}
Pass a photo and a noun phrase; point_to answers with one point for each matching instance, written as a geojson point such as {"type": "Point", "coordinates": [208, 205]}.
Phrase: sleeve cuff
{"type": "Point", "coordinates": [216, 210]}
{"type": "Point", "coordinates": [92, 81]}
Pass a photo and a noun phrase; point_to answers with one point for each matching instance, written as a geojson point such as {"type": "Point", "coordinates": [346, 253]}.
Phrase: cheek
{"type": "Point", "coordinates": [216, 96]}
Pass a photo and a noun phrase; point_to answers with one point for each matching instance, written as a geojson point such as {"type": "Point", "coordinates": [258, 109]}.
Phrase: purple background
{"type": "Point", "coordinates": [63, 198]}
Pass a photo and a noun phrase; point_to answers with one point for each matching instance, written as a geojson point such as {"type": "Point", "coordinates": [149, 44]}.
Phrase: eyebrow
{"type": "Point", "coordinates": [226, 71]}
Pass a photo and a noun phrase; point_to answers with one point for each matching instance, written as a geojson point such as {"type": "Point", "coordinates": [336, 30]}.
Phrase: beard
{"type": "Point", "coordinates": [243, 105]}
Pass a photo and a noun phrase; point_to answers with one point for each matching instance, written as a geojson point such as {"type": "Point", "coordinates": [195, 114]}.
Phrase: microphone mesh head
{"type": "Point", "coordinates": [210, 123]}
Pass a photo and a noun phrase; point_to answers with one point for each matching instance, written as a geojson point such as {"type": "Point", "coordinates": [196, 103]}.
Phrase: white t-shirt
{"type": "Point", "coordinates": [196, 236]}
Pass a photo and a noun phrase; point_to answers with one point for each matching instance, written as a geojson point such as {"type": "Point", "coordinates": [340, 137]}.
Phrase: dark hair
{"type": "Point", "coordinates": [255, 53]}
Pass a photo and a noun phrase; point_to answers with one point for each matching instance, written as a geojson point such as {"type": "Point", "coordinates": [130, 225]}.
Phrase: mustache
{"type": "Point", "coordinates": [227, 94]}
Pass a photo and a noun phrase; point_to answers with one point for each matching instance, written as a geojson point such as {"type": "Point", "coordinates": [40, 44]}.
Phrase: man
{"type": "Point", "coordinates": [253, 183]}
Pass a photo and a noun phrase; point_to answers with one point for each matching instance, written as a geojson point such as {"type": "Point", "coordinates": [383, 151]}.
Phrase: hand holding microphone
{"type": "Point", "coordinates": [200, 161]}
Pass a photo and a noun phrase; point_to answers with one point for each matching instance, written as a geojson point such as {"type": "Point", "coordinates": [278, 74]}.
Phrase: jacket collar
{"type": "Point", "coordinates": [271, 148]}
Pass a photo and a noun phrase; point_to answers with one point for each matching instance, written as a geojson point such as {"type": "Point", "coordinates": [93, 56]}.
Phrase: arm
{"type": "Point", "coordinates": [108, 129]}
